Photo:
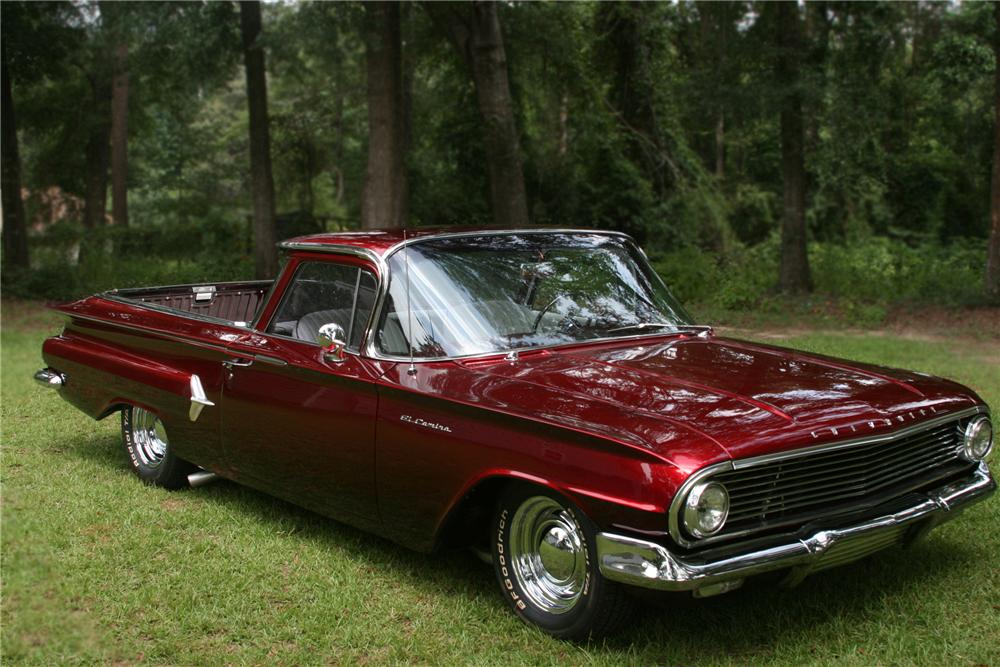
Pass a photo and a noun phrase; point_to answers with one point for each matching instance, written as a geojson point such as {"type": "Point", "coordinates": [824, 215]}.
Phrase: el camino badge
{"type": "Point", "coordinates": [426, 424]}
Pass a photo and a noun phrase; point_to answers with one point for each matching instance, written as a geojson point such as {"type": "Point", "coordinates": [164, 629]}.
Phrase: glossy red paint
{"type": "Point", "coordinates": [616, 427]}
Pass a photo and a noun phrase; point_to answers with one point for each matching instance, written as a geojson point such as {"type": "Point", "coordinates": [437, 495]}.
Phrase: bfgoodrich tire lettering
{"type": "Point", "coordinates": [546, 564]}
{"type": "Point", "coordinates": [144, 437]}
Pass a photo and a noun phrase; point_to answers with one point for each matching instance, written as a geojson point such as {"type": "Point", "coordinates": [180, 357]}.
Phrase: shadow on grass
{"type": "Point", "coordinates": [749, 622]}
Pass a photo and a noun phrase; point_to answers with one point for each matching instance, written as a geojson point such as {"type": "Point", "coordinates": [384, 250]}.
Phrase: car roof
{"type": "Point", "coordinates": [382, 241]}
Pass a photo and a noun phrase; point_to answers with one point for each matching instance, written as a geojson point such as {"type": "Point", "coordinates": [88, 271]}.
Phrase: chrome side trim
{"type": "Point", "coordinates": [50, 378]}
{"type": "Point", "coordinates": [198, 398]}
{"type": "Point", "coordinates": [740, 464]}
{"type": "Point", "coordinates": [650, 565]}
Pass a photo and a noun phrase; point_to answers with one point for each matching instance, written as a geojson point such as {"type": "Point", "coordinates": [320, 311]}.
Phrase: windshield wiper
{"type": "Point", "coordinates": [662, 325]}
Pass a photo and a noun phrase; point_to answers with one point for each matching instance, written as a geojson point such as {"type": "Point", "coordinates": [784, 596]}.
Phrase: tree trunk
{"type": "Point", "coordinates": [15, 232]}
{"type": "Point", "coordinates": [720, 145]}
{"type": "Point", "coordinates": [384, 198]}
{"type": "Point", "coordinates": [475, 33]}
{"type": "Point", "coordinates": [97, 154]}
{"type": "Point", "coordinates": [993, 253]}
{"type": "Point", "coordinates": [119, 137]}
{"type": "Point", "coordinates": [261, 180]}
{"type": "Point", "coordinates": [794, 273]}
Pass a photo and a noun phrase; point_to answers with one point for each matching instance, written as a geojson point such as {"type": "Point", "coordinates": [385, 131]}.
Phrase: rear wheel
{"type": "Point", "coordinates": [546, 564]}
{"type": "Point", "coordinates": [148, 447]}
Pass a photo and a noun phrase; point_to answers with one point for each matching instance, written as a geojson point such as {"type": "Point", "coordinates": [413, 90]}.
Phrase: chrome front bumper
{"type": "Point", "coordinates": [650, 565]}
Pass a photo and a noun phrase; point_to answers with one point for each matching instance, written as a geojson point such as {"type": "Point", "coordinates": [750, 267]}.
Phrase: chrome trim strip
{"type": "Point", "coordinates": [650, 565]}
{"type": "Point", "coordinates": [741, 464]}
{"type": "Point", "coordinates": [223, 283]}
{"type": "Point", "coordinates": [49, 378]}
{"type": "Point", "coordinates": [198, 398]}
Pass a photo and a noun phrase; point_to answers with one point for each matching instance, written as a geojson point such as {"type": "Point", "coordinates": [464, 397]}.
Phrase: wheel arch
{"type": "Point", "coordinates": [467, 521]}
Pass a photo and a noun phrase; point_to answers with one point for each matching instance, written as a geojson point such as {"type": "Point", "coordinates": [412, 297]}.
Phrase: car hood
{"type": "Point", "coordinates": [746, 398]}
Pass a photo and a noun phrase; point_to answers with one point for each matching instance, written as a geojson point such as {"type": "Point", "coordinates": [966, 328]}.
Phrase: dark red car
{"type": "Point", "coordinates": [537, 395]}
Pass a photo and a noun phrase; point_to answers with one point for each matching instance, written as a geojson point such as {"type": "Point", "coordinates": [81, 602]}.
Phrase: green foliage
{"type": "Point", "coordinates": [859, 281]}
{"type": "Point", "coordinates": [657, 119]}
{"type": "Point", "coordinates": [71, 263]}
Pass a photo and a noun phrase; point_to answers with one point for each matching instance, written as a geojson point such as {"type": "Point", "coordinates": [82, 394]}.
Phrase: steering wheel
{"type": "Point", "coordinates": [547, 307]}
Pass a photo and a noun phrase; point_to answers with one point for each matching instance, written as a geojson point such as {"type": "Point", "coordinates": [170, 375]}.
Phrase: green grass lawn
{"type": "Point", "coordinates": [98, 568]}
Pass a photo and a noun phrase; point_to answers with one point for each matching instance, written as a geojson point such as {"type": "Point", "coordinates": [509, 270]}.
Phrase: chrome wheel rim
{"type": "Point", "coordinates": [548, 554]}
{"type": "Point", "coordinates": [149, 437]}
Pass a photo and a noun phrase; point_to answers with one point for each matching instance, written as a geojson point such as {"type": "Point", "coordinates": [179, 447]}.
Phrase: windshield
{"type": "Point", "coordinates": [496, 293]}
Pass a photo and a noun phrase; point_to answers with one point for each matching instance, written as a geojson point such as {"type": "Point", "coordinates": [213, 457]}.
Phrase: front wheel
{"type": "Point", "coordinates": [546, 563]}
{"type": "Point", "coordinates": [145, 439]}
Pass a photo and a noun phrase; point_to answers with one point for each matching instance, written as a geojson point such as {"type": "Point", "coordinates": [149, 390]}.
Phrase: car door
{"type": "Point", "coordinates": [296, 422]}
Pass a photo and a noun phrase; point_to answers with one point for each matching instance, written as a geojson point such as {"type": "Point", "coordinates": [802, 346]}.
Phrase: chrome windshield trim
{"type": "Point", "coordinates": [651, 565]}
{"type": "Point", "coordinates": [499, 232]}
{"type": "Point", "coordinates": [741, 464]}
{"type": "Point", "coordinates": [503, 354]}
{"type": "Point", "coordinates": [370, 348]}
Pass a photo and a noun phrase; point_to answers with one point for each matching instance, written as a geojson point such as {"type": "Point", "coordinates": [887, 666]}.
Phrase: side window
{"type": "Point", "coordinates": [324, 292]}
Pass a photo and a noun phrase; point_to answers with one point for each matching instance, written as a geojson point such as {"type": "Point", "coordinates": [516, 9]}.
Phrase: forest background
{"type": "Point", "coordinates": [837, 160]}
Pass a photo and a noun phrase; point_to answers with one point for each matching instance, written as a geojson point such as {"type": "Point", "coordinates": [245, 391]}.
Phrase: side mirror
{"type": "Point", "coordinates": [332, 337]}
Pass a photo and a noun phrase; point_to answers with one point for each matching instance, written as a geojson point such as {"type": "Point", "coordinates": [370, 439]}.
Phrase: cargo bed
{"type": "Point", "coordinates": [234, 302]}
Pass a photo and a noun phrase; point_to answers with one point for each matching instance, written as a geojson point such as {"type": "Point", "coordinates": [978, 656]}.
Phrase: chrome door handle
{"type": "Point", "coordinates": [237, 363]}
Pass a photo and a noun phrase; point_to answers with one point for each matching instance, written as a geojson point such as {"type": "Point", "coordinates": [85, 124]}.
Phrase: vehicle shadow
{"type": "Point", "coordinates": [746, 624]}
{"type": "Point", "coordinates": [461, 572]}
{"type": "Point", "coordinates": [750, 622]}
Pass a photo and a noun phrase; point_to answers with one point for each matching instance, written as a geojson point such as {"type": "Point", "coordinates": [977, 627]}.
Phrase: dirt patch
{"type": "Point", "coordinates": [984, 348]}
{"type": "Point", "coordinates": [935, 322]}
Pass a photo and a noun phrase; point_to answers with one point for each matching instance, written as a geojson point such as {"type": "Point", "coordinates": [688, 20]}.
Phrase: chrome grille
{"type": "Point", "coordinates": [802, 488]}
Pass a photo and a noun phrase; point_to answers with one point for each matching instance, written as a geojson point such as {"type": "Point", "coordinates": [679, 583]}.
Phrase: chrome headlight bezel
{"type": "Point", "coordinates": [972, 438]}
{"type": "Point", "coordinates": [696, 509]}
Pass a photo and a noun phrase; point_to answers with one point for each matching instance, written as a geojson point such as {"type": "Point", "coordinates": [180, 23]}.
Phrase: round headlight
{"type": "Point", "coordinates": [706, 509]}
{"type": "Point", "coordinates": [978, 440]}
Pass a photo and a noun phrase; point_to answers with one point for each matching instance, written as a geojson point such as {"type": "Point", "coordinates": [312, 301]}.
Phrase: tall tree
{"type": "Point", "coordinates": [628, 46]}
{"type": "Point", "coordinates": [474, 31]}
{"type": "Point", "coordinates": [993, 253]}
{"type": "Point", "coordinates": [119, 134]}
{"type": "Point", "coordinates": [97, 151]}
{"type": "Point", "coordinates": [384, 198]}
{"type": "Point", "coordinates": [15, 237]}
{"type": "Point", "coordinates": [794, 271]}
{"type": "Point", "coordinates": [262, 182]}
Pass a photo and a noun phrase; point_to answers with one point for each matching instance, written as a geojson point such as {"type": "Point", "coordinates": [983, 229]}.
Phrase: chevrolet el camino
{"type": "Point", "coordinates": [537, 395]}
